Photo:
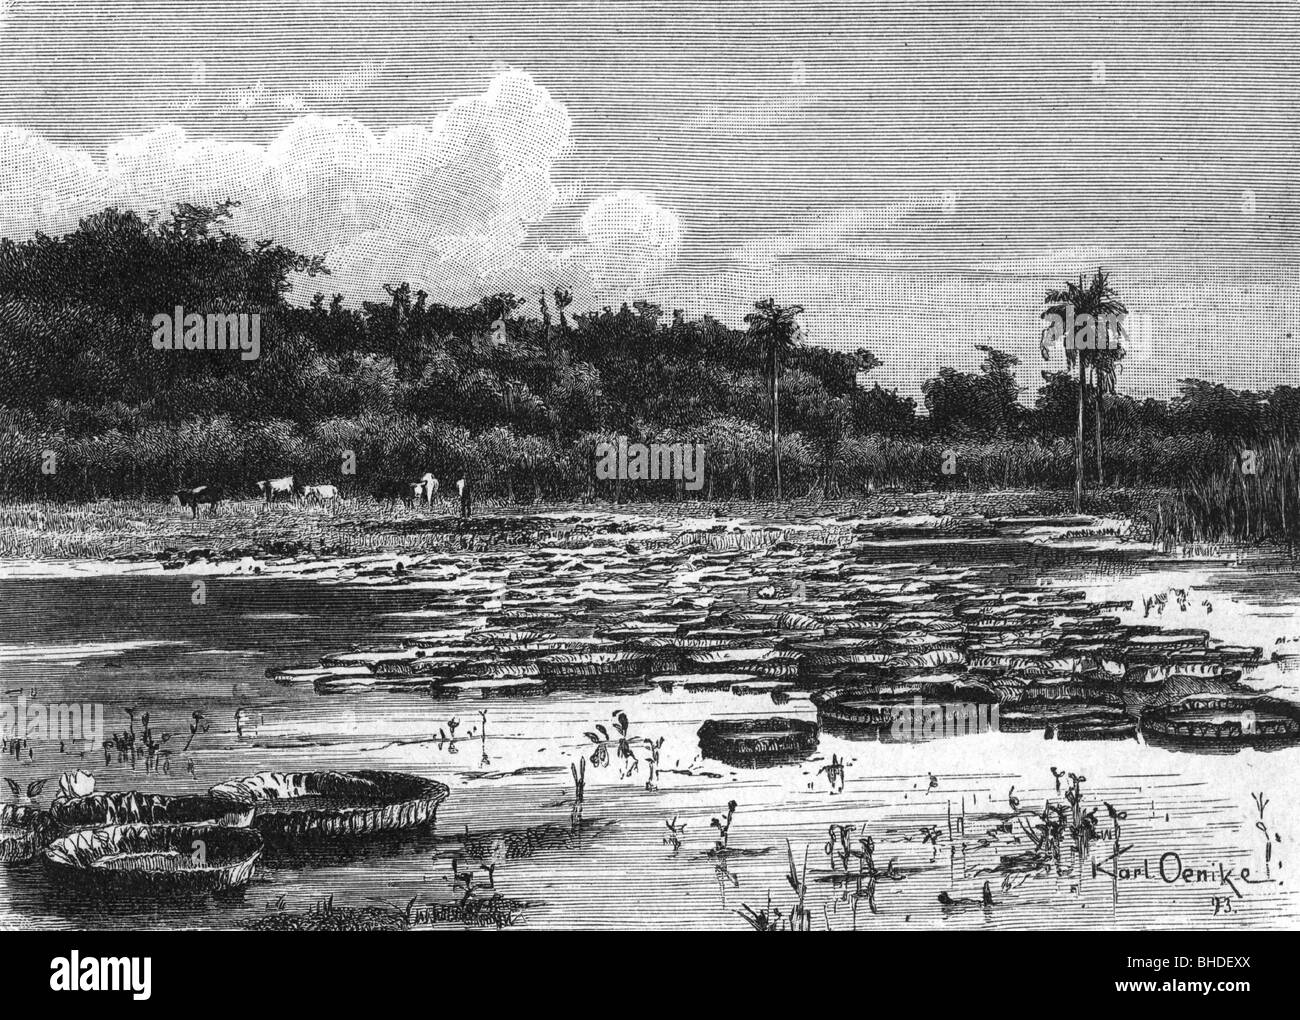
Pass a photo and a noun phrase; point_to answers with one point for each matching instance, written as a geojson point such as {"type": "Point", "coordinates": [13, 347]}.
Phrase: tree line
{"type": "Point", "coordinates": [518, 390]}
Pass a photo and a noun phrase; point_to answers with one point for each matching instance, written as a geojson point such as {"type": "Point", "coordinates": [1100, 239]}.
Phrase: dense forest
{"type": "Point", "coordinates": [518, 390]}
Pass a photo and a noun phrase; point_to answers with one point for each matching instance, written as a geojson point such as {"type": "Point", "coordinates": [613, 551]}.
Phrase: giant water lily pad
{"type": "Point", "coordinates": [754, 743]}
{"type": "Point", "coordinates": [160, 861]}
{"type": "Point", "coordinates": [1223, 722]}
{"type": "Point", "coordinates": [328, 804]}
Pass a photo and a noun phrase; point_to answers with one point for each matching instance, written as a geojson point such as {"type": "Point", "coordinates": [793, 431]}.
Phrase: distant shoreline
{"type": "Point", "coordinates": [247, 537]}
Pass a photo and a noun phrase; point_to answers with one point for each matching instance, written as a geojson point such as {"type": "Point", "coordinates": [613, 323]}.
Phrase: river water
{"type": "Point", "coordinates": [943, 813]}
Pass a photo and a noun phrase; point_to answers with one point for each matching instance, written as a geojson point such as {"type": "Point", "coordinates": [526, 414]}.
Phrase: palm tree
{"type": "Point", "coordinates": [774, 331]}
{"type": "Point", "coordinates": [546, 322]}
{"type": "Point", "coordinates": [1097, 299]}
{"type": "Point", "coordinates": [563, 298]}
{"type": "Point", "coordinates": [1104, 362]}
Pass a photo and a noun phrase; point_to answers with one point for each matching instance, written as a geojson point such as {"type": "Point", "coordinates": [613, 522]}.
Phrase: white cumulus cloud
{"type": "Point", "coordinates": [629, 237]}
{"type": "Point", "coordinates": [447, 203]}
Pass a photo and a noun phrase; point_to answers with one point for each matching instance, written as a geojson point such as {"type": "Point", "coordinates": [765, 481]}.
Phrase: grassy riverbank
{"type": "Point", "coordinates": [148, 529]}
{"type": "Point", "coordinates": [1225, 514]}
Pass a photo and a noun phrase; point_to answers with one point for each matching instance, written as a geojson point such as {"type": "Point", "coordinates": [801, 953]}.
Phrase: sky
{"type": "Point", "coordinates": [915, 176]}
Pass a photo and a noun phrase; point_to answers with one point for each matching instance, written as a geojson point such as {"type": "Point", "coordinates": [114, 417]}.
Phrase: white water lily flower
{"type": "Point", "coordinates": [76, 784]}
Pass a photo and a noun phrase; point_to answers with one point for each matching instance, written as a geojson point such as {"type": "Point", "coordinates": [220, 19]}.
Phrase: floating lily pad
{"type": "Point", "coordinates": [756, 743]}
{"type": "Point", "coordinates": [327, 804]}
{"type": "Point", "coordinates": [1223, 722]}
{"type": "Point", "coordinates": [168, 861]}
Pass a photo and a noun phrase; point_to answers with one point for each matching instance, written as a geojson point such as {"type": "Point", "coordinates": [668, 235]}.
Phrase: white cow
{"type": "Point", "coordinates": [320, 493]}
{"type": "Point", "coordinates": [273, 487]}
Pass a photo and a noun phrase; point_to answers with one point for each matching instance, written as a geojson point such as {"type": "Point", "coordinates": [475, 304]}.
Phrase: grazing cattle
{"type": "Point", "coordinates": [273, 487]}
{"type": "Point", "coordinates": [407, 492]}
{"type": "Point", "coordinates": [430, 486]}
{"type": "Point", "coordinates": [192, 498]}
{"type": "Point", "coordinates": [320, 493]}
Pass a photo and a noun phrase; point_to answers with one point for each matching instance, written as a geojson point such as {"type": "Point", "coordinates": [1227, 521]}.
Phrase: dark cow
{"type": "Point", "coordinates": [393, 489]}
{"type": "Point", "coordinates": [192, 498]}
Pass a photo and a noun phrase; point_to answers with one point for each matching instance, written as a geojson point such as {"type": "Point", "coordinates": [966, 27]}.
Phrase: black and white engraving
{"type": "Point", "coordinates": [648, 466]}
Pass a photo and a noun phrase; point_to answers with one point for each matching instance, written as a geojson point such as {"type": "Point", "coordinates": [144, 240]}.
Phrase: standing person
{"type": "Point", "coordinates": [466, 506]}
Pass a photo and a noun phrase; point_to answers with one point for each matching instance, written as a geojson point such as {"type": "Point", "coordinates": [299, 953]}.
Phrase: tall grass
{"type": "Point", "coordinates": [1228, 502]}
{"type": "Point", "coordinates": [117, 528]}
{"type": "Point", "coordinates": [38, 461]}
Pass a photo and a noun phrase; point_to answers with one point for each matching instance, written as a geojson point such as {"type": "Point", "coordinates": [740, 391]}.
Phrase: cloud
{"type": "Point", "coordinates": [241, 99]}
{"type": "Point", "coordinates": [629, 237]}
{"type": "Point", "coordinates": [841, 232]}
{"type": "Point", "coordinates": [1062, 262]}
{"type": "Point", "coordinates": [447, 204]}
{"type": "Point", "coordinates": [344, 85]}
{"type": "Point", "coordinates": [772, 107]}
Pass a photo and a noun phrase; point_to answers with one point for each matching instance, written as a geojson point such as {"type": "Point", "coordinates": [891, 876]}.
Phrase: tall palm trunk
{"type": "Point", "coordinates": [776, 424]}
{"type": "Point", "coordinates": [1094, 297]}
{"type": "Point", "coordinates": [1096, 405]}
{"type": "Point", "coordinates": [546, 325]}
{"type": "Point", "coordinates": [1078, 447]}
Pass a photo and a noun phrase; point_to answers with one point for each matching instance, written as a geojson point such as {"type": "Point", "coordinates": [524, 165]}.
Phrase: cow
{"type": "Point", "coordinates": [320, 493]}
{"type": "Point", "coordinates": [430, 486]}
{"type": "Point", "coordinates": [407, 492]}
{"type": "Point", "coordinates": [273, 487]}
{"type": "Point", "coordinates": [192, 498]}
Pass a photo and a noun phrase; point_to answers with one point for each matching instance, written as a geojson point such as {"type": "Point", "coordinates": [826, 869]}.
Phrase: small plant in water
{"type": "Point", "coordinates": [462, 881]}
{"type": "Point", "coordinates": [800, 918]}
{"type": "Point", "coordinates": [33, 788]}
{"type": "Point", "coordinates": [839, 845]}
{"type": "Point", "coordinates": [624, 744]}
{"type": "Point", "coordinates": [579, 770]}
{"type": "Point", "coordinates": [869, 875]}
{"type": "Point", "coordinates": [153, 747]}
{"type": "Point", "coordinates": [1115, 818]}
{"type": "Point", "coordinates": [867, 871]}
{"type": "Point", "coordinates": [620, 727]}
{"type": "Point", "coordinates": [675, 830]}
{"type": "Point", "coordinates": [1083, 823]}
{"type": "Point", "coordinates": [834, 773]}
{"type": "Point", "coordinates": [599, 753]}
{"type": "Point", "coordinates": [1156, 602]}
{"type": "Point", "coordinates": [652, 764]}
{"type": "Point", "coordinates": [724, 828]}
{"type": "Point", "coordinates": [770, 918]}
{"type": "Point", "coordinates": [1261, 802]}
{"type": "Point", "coordinates": [761, 920]}
{"type": "Point", "coordinates": [198, 724]}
